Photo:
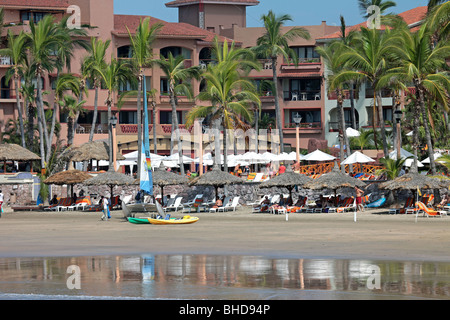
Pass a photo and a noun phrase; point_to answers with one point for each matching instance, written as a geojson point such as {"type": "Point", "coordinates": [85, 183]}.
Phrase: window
{"type": "Point", "coordinates": [165, 117]}
{"type": "Point", "coordinates": [124, 52]}
{"type": "Point", "coordinates": [303, 89]}
{"type": "Point", "coordinates": [128, 117]}
{"type": "Point", "coordinates": [36, 16]}
{"type": "Point", "coordinates": [176, 51]}
{"type": "Point", "coordinates": [306, 53]}
{"type": "Point", "coordinates": [164, 87]}
{"type": "Point", "coordinates": [308, 116]}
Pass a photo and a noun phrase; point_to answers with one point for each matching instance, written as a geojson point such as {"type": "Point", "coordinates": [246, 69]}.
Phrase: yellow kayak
{"type": "Point", "coordinates": [184, 220]}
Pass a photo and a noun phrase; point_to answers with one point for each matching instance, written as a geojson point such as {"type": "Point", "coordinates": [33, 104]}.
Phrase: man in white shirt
{"type": "Point", "coordinates": [1, 202]}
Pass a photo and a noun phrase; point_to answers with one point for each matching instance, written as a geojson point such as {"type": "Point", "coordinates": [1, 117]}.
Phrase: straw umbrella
{"type": "Point", "coordinates": [14, 152]}
{"type": "Point", "coordinates": [216, 178]}
{"type": "Point", "coordinates": [110, 178]}
{"type": "Point", "coordinates": [334, 180]}
{"type": "Point", "coordinates": [288, 180]}
{"type": "Point", "coordinates": [69, 177]}
{"type": "Point", "coordinates": [164, 178]}
{"type": "Point", "coordinates": [94, 150]}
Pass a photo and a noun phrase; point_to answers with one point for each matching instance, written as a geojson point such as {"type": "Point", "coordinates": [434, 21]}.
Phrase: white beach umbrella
{"type": "Point", "coordinates": [403, 154]}
{"type": "Point", "coordinates": [318, 156]}
{"type": "Point", "coordinates": [352, 132]}
{"type": "Point", "coordinates": [357, 157]}
{"type": "Point", "coordinates": [437, 155]}
{"type": "Point", "coordinates": [176, 158]}
{"type": "Point", "coordinates": [251, 157]}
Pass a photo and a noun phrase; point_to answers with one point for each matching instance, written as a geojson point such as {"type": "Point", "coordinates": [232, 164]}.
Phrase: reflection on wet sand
{"type": "Point", "coordinates": [224, 277]}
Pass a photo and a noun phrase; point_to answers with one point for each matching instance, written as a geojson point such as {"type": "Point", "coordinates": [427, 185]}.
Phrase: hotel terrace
{"type": "Point", "coordinates": [302, 88]}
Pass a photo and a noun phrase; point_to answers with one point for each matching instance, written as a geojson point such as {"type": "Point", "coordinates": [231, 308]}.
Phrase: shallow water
{"type": "Point", "coordinates": [219, 277]}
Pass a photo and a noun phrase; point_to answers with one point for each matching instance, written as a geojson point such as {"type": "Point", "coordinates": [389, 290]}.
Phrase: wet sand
{"type": "Point", "coordinates": [376, 235]}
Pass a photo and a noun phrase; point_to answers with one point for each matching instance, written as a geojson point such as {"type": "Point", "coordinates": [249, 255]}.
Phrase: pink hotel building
{"type": "Point", "coordinates": [301, 88]}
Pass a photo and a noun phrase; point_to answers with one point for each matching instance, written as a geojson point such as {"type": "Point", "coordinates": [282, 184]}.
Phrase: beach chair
{"type": "Point", "coordinates": [376, 204]}
{"type": "Point", "coordinates": [225, 203]}
{"type": "Point", "coordinates": [409, 205]}
{"type": "Point", "coordinates": [65, 204]}
{"type": "Point", "coordinates": [429, 212]}
{"type": "Point", "coordinates": [258, 177]}
{"type": "Point", "coordinates": [232, 205]}
{"type": "Point", "coordinates": [175, 206]}
{"type": "Point", "coordinates": [194, 203]}
{"type": "Point", "coordinates": [81, 203]}
{"type": "Point", "coordinates": [54, 206]}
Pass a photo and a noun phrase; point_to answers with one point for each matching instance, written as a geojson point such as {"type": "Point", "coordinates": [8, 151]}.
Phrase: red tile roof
{"type": "Point", "coordinates": [179, 3]}
{"type": "Point", "coordinates": [35, 4]}
{"type": "Point", "coordinates": [169, 30]}
{"type": "Point", "coordinates": [410, 17]}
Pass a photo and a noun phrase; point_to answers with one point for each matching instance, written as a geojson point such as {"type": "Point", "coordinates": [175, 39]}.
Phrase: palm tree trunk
{"type": "Point", "coordinates": [341, 129]}
{"type": "Point", "coordinates": [41, 141]}
{"type": "Point", "coordinates": [175, 125]}
{"type": "Point", "coordinates": [94, 118]}
{"type": "Point", "coordinates": [53, 124]}
{"type": "Point", "coordinates": [382, 125]}
{"type": "Point", "coordinates": [70, 131]}
{"type": "Point", "coordinates": [225, 142]}
{"type": "Point", "coordinates": [139, 125]}
{"type": "Point", "coordinates": [43, 134]}
{"type": "Point", "coordinates": [30, 130]}
{"type": "Point", "coordinates": [277, 104]}
{"type": "Point", "coordinates": [217, 143]}
{"type": "Point", "coordinates": [19, 110]}
{"type": "Point", "coordinates": [427, 129]}
{"type": "Point", "coordinates": [155, 147]}
{"type": "Point", "coordinates": [352, 105]}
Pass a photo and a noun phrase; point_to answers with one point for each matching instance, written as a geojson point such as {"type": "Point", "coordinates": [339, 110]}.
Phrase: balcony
{"type": "Point", "coordinates": [161, 129]}
{"type": "Point", "coordinates": [310, 95]}
{"type": "Point", "coordinates": [308, 127]}
{"type": "Point", "coordinates": [5, 61]}
{"type": "Point", "coordinates": [334, 125]}
{"type": "Point", "coordinates": [345, 95]}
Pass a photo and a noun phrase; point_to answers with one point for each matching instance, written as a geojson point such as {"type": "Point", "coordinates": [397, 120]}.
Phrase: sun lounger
{"type": "Point", "coordinates": [195, 203]}
{"type": "Point", "coordinates": [175, 206]}
{"type": "Point", "coordinates": [376, 204]}
{"type": "Point", "coordinates": [225, 203]}
{"type": "Point", "coordinates": [231, 205]}
{"type": "Point", "coordinates": [429, 212]}
{"type": "Point", "coordinates": [409, 205]}
{"type": "Point", "coordinates": [81, 203]}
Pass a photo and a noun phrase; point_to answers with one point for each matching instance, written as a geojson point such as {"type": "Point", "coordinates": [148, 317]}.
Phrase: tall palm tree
{"type": "Point", "coordinates": [72, 107]}
{"type": "Point", "coordinates": [16, 50]}
{"type": "Point", "coordinates": [331, 56]}
{"type": "Point", "coordinates": [44, 38]}
{"type": "Point", "coordinates": [141, 47]}
{"type": "Point", "coordinates": [275, 43]}
{"type": "Point", "coordinates": [178, 77]}
{"type": "Point", "coordinates": [383, 5]}
{"type": "Point", "coordinates": [423, 65]}
{"type": "Point", "coordinates": [114, 75]}
{"type": "Point", "coordinates": [231, 96]}
{"type": "Point", "coordinates": [368, 60]}
{"type": "Point", "coordinates": [95, 60]}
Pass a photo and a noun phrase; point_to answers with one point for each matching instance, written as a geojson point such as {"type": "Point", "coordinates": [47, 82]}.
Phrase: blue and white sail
{"type": "Point", "coordinates": [146, 165]}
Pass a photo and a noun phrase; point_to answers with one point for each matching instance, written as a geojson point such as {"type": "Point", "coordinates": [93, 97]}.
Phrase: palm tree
{"type": "Point", "coordinates": [141, 47]}
{"type": "Point", "coordinates": [16, 50]}
{"type": "Point", "coordinates": [72, 107]}
{"type": "Point", "coordinates": [369, 60]}
{"type": "Point", "coordinates": [94, 61]}
{"type": "Point", "coordinates": [273, 44]}
{"type": "Point", "coordinates": [422, 64]}
{"type": "Point", "coordinates": [231, 97]}
{"type": "Point", "coordinates": [331, 55]}
{"type": "Point", "coordinates": [391, 168]}
{"type": "Point", "coordinates": [114, 75]}
{"type": "Point", "coordinates": [178, 77]}
{"type": "Point", "coordinates": [44, 38]}
{"type": "Point", "coordinates": [383, 5]}
{"type": "Point", "coordinates": [364, 140]}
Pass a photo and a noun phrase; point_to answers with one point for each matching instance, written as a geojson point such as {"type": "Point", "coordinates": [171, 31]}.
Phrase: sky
{"type": "Point", "coordinates": [303, 12]}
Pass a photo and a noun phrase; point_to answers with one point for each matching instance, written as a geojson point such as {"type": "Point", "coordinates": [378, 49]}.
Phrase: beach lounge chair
{"type": "Point", "coordinates": [81, 203]}
{"type": "Point", "coordinates": [376, 204]}
{"type": "Point", "coordinates": [232, 205]}
{"type": "Point", "coordinates": [195, 203]}
{"type": "Point", "coordinates": [409, 205]}
{"type": "Point", "coordinates": [54, 206]}
{"type": "Point", "coordinates": [175, 206]}
{"type": "Point", "coordinates": [429, 212]}
{"type": "Point", "coordinates": [225, 203]}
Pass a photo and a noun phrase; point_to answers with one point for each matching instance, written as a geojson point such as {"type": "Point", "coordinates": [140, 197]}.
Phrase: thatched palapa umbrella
{"type": "Point", "coordinates": [69, 177]}
{"type": "Point", "coordinates": [94, 150]}
{"type": "Point", "coordinates": [110, 178]}
{"type": "Point", "coordinates": [334, 180]}
{"type": "Point", "coordinates": [14, 152]}
{"type": "Point", "coordinates": [216, 178]}
{"type": "Point", "coordinates": [288, 180]}
{"type": "Point", "coordinates": [164, 178]}
{"type": "Point", "coordinates": [414, 181]}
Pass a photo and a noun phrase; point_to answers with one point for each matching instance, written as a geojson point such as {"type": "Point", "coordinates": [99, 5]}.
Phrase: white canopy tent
{"type": "Point", "coordinates": [405, 155]}
{"type": "Point", "coordinates": [357, 157]}
{"type": "Point", "coordinates": [318, 156]}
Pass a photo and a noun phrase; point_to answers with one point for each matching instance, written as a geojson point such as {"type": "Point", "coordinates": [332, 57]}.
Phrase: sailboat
{"type": "Point", "coordinates": [145, 167]}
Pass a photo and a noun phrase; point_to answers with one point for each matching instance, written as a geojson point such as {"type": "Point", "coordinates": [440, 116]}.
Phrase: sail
{"type": "Point", "coordinates": [146, 165]}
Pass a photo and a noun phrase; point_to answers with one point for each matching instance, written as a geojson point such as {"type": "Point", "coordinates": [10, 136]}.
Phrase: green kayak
{"type": "Point", "coordinates": [138, 220]}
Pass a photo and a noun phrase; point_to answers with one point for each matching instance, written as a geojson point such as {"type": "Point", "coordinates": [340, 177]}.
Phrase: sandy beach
{"type": "Point", "coordinates": [376, 235]}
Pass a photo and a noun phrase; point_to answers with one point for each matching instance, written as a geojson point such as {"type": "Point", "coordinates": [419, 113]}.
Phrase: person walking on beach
{"type": "Point", "coordinates": [1, 203]}
{"type": "Point", "coordinates": [359, 194]}
{"type": "Point", "coordinates": [106, 215]}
